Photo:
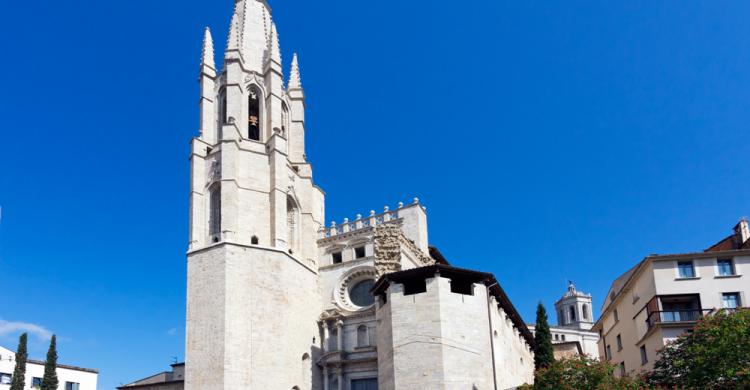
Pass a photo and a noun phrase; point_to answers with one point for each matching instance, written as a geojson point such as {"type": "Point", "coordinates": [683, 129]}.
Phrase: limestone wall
{"type": "Point", "coordinates": [237, 338]}
{"type": "Point", "coordinates": [440, 339]}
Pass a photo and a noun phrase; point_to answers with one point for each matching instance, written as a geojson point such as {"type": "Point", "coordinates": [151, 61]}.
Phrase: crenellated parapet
{"type": "Point", "coordinates": [372, 220]}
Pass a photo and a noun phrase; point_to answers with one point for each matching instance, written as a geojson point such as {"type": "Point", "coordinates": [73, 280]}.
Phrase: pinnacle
{"type": "Point", "coordinates": [274, 45]}
{"type": "Point", "coordinates": [207, 57]}
{"type": "Point", "coordinates": [233, 41]}
{"type": "Point", "coordinates": [295, 80]}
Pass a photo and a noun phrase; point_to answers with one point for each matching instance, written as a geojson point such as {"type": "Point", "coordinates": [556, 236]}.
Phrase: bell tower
{"type": "Point", "coordinates": [574, 309]}
{"type": "Point", "coordinates": [254, 217]}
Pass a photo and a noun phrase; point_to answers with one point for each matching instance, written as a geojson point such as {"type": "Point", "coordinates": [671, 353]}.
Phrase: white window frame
{"type": "Point", "coordinates": [677, 270]}
{"type": "Point", "coordinates": [732, 264]}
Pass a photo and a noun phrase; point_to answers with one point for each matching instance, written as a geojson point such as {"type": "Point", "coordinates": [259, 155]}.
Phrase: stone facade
{"type": "Point", "coordinates": [278, 300]}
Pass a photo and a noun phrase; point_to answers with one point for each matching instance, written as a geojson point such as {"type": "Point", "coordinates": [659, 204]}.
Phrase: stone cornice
{"type": "Point", "coordinates": [258, 247]}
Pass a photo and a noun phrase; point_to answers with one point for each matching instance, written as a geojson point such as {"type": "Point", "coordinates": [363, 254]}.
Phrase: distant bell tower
{"type": "Point", "coordinates": [254, 217]}
{"type": "Point", "coordinates": [574, 309]}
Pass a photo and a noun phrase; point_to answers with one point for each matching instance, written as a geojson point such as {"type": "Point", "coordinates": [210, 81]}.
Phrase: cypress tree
{"type": "Point", "coordinates": [19, 373]}
{"type": "Point", "coordinates": [543, 354]}
{"type": "Point", "coordinates": [49, 381]}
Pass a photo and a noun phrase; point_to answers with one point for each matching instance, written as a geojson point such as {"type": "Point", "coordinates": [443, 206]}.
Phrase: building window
{"type": "Point", "coordinates": [223, 108]}
{"type": "Point", "coordinates": [72, 386]}
{"type": "Point", "coordinates": [608, 352]}
{"type": "Point", "coordinates": [685, 269]}
{"type": "Point", "coordinates": [622, 369]}
{"type": "Point", "coordinates": [363, 338]}
{"type": "Point", "coordinates": [557, 337]}
{"type": "Point", "coordinates": [359, 252]}
{"type": "Point", "coordinates": [585, 311]}
{"type": "Point", "coordinates": [36, 382]}
{"type": "Point", "coordinates": [214, 213]}
{"type": "Point", "coordinates": [644, 356]}
{"type": "Point", "coordinates": [253, 114]}
{"type": "Point", "coordinates": [572, 310]}
{"type": "Point", "coordinates": [365, 384]}
{"type": "Point", "coordinates": [360, 293]}
{"type": "Point", "coordinates": [292, 221]}
{"type": "Point", "coordinates": [284, 120]}
{"type": "Point", "coordinates": [562, 318]}
{"type": "Point", "coordinates": [563, 337]}
{"type": "Point", "coordinates": [619, 342]}
{"type": "Point", "coordinates": [338, 258]}
{"type": "Point", "coordinates": [254, 240]}
{"type": "Point", "coordinates": [730, 300]}
{"type": "Point", "coordinates": [616, 315]}
{"type": "Point", "coordinates": [5, 379]}
{"type": "Point", "coordinates": [726, 267]}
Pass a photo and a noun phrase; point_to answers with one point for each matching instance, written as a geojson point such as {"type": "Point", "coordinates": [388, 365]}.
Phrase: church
{"type": "Point", "coordinates": [277, 299]}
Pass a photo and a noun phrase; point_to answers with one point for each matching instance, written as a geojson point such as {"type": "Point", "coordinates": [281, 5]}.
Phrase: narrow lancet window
{"type": "Point", "coordinates": [253, 115]}
{"type": "Point", "coordinates": [292, 219]}
{"type": "Point", "coordinates": [214, 219]}
{"type": "Point", "coordinates": [284, 120]}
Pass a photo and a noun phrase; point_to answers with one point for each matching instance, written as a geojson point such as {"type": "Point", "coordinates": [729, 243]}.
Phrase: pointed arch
{"type": "Point", "coordinates": [254, 112]}
{"type": "Point", "coordinates": [285, 120]}
{"type": "Point", "coordinates": [214, 212]}
{"type": "Point", "coordinates": [222, 117]}
{"type": "Point", "coordinates": [293, 223]}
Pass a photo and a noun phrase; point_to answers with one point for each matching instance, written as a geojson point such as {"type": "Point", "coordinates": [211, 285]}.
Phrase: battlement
{"type": "Point", "coordinates": [372, 220]}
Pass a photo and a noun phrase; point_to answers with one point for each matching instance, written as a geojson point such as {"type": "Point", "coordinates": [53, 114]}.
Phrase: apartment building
{"type": "Point", "coordinates": [663, 297]}
{"type": "Point", "coordinates": [69, 377]}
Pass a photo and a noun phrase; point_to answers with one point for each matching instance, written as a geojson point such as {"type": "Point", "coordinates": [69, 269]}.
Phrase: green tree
{"type": "Point", "coordinates": [49, 381]}
{"type": "Point", "coordinates": [19, 373]}
{"type": "Point", "coordinates": [582, 373]}
{"type": "Point", "coordinates": [716, 355]}
{"type": "Point", "coordinates": [543, 354]}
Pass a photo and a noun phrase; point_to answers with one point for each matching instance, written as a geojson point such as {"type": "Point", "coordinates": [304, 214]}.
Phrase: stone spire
{"type": "Point", "coordinates": [255, 31]}
{"type": "Point", "coordinates": [207, 57]}
{"type": "Point", "coordinates": [233, 40]}
{"type": "Point", "coordinates": [273, 45]}
{"type": "Point", "coordinates": [295, 81]}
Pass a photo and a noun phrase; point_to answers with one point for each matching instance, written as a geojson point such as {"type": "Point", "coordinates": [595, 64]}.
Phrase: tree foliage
{"type": "Point", "coordinates": [581, 373]}
{"type": "Point", "coordinates": [19, 372]}
{"type": "Point", "coordinates": [49, 381]}
{"type": "Point", "coordinates": [716, 355]}
{"type": "Point", "coordinates": [543, 354]}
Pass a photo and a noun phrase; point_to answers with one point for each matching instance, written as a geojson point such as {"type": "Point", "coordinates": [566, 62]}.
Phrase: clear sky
{"type": "Point", "coordinates": [549, 140]}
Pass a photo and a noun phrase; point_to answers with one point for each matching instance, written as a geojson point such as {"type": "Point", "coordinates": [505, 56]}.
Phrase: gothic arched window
{"type": "Point", "coordinates": [284, 120]}
{"type": "Point", "coordinates": [222, 114]}
{"type": "Point", "coordinates": [572, 314]}
{"type": "Point", "coordinates": [292, 220]}
{"type": "Point", "coordinates": [214, 213]}
{"type": "Point", "coordinates": [363, 338]}
{"type": "Point", "coordinates": [253, 114]}
{"type": "Point", "coordinates": [585, 311]}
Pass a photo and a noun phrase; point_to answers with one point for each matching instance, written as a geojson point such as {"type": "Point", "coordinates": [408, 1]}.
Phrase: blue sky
{"type": "Point", "coordinates": [549, 141]}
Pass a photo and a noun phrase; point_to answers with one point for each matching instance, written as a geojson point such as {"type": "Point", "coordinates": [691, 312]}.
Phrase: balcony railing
{"type": "Point", "coordinates": [676, 316]}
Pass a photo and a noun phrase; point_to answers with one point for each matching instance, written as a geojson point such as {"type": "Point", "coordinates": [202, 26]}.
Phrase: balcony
{"type": "Point", "coordinates": [672, 316]}
{"type": "Point", "coordinates": [674, 309]}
